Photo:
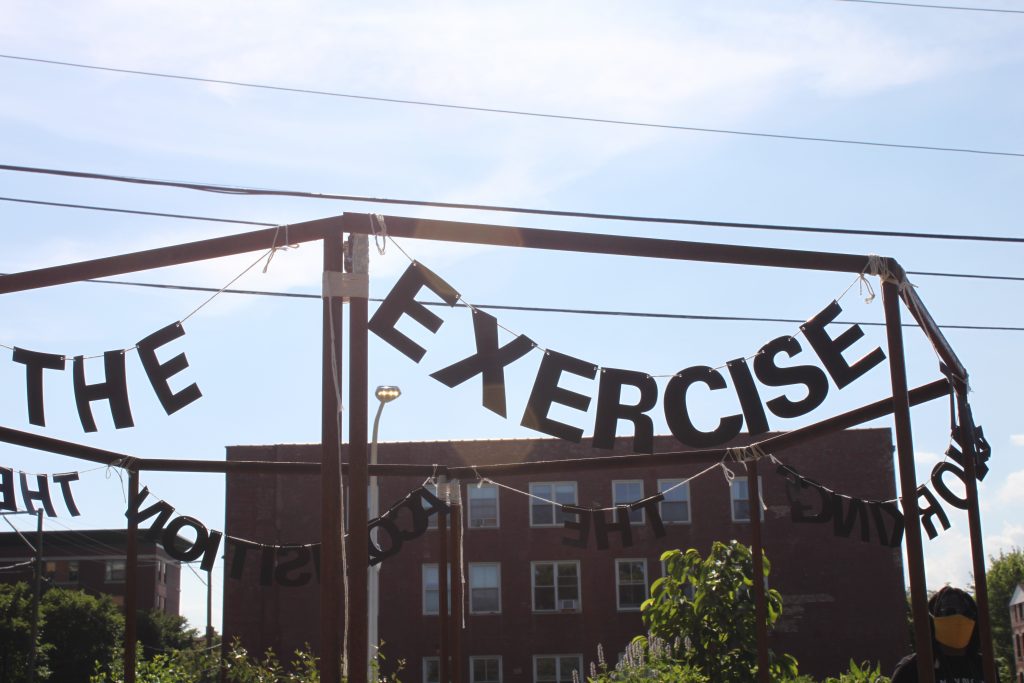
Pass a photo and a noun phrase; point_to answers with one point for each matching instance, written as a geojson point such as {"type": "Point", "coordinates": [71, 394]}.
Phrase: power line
{"type": "Point", "coordinates": [542, 309]}
{"type": "Point", "coordinates": [514, 112]}
{"type": "Point", "coordinates": [922, 6]}
{"type": "Point", "coordinates": [250, 191]}
{"type": "Point", "coordinates": [136, 212]}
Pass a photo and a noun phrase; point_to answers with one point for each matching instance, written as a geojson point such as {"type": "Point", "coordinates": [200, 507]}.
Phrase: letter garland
{"type": "Point", "coordinates": [114, 387]}
{"type": "Point", "coordinates": [582, 519]}
{"type": "Point", "coordinates": [288, 564]}
{"type": "Point", "coordinates": [886, 517]}
{"type": "Point", "coordinates": [490, 360]}
{"type": "Point", "coordinates": [41, 493]}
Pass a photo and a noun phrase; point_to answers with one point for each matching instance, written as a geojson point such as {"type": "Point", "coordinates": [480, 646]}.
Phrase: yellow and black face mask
{"type": "Point", "coordinates": [953, 631]}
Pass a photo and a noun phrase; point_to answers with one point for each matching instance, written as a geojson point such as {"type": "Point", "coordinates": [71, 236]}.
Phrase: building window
{"type": "Point", "coordinates": [484, 587]}
{"type": "Point", "coordinates": [626, 492]}
{"type": "Point", "coordinates": [114, 570]}
{"type": "Point", "coordinates": [630, 583]}
{"type": "Point", "coordinates": [556, 586]}
{"type": "Point", "coordinates": [556, 668]}
{"type": "Point", "coordinates": [431, 591]}
{"type": "Point", "coordinates": [431, 670]}
{"type": "Point", "coordinates": [432, 520]}
{"type": "Point", "coordinates": [73, 570]}
{"type": "Point", "coordinates": [543, 513]}
{"type": "Point", "coordinates": [740, 493]}
{"type": "Point", "coordinates": [675, 509]}
{"type": "Point", "coordinates": [483, 506]}
{"type": "Point", "coordinates": [485, 669]}
{"type": "Point", "coordinates": [49, 568]}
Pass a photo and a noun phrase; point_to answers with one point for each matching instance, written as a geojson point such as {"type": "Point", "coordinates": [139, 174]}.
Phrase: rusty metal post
{"type": "Point", "coordinates": [458, 605]}
{"type": "Point", "coordinates": [330, 472]}
{"type": "Point", "coordinates": [358, 474]}
{"type": "Point", "coordinates": [757, 553]}
{"type": "Point", "coordinates": [131, 581]}
{"type": "Point", "coordinates": [442, 578]}
{"type": "Point", "coordinates": [908, 484]}
{"type": "Point", "coordinates": [974, 523]}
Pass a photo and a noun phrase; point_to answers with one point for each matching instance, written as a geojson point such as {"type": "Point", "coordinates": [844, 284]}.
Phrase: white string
{"type": "Point", "coordinates": [233, 280]}
{"type": "Point", "coordinates": [273, 247]}
{"type": "Point", "coordinates": [380, 232]}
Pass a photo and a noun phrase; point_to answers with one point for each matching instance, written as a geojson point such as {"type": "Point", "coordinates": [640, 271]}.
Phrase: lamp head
{"type": "Point", "coordinates": [386, 394]}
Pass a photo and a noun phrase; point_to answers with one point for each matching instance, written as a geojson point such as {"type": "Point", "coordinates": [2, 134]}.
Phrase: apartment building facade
{"type": "Point", "coordinates": [537, 607]}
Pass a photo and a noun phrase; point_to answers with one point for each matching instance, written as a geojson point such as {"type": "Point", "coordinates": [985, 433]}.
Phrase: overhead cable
{"type": "Point", "coordinates": [514, 112]}
{"type": "Point", "coordinates": [923, 6]}
{"type": "Point", "coordinates": [250, 191]}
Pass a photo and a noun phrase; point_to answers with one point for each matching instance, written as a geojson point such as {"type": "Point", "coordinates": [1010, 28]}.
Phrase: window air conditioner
{"type": "Point", "coordinates": [567, 605]}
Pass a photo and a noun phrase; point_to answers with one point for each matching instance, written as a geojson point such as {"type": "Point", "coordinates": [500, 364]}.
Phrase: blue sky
{"type": "Point", "coordinates": [815, 68]}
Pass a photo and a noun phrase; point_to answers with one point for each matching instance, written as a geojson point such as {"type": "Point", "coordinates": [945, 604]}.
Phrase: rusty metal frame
{"type": "Point", "coordinates": [330, 231]}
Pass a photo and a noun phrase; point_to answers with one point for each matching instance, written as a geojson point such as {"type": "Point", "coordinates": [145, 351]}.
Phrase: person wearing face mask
{"type": "Point", "coordinates": [954, 641]}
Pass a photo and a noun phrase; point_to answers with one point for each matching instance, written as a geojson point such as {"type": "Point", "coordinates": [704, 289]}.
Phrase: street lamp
{"type": "Point", "coordinates": [384, 394]}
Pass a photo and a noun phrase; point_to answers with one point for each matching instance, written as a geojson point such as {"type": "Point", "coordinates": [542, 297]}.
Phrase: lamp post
{"type": "Point", "coordinates": [385, 394]}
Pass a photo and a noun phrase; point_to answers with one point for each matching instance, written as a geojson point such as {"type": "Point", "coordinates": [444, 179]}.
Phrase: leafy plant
{"type": "Point", "coordinates": [646, 660]}
{"type": "Point", "coordinates": [860, 673]}
{"type": "Point", "coordinates": [705, 607]}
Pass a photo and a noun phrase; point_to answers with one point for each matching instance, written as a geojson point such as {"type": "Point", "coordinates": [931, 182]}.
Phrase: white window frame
{"type": "Point", "coordinates": [733, 498]}
{"type": "Point", "coordinates": [472, 671]}
{"type": "Point", "coordinates": [470, 488]}
{"type": "Point", "coordinates": [432, 567]}
{"type": "Point", "coordinates": [618, 584]}
{"type": "Point", "coordinates": [558, 599]}
{"type": "Point", "coordinates": [427, 661]}
{"type": "Point", "coordinates": [555, 509]}
{"type": "Point", "coordinates": [636, 517]}
{"type": "Point", "coordinates": [432, 520]}
{"type": "Point", "coordinates": [558, 667]}
{"type": "Point", "coordinates": [669, 483]}
{"type": "Point", "coordinates": [472, 607]}
{"type": "Point", "coordinates": [109, 573]}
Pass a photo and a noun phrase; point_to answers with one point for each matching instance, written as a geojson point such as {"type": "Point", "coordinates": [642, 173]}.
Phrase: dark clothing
{"type": "Point", "coordinates": [948, 669]}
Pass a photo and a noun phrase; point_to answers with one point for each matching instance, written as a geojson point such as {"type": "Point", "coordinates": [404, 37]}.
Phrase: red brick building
{"type": "Point", "coordinates": [1017, 631]}
{"type": "Point", "coordinates": [94, 561]}
{"type": "Point", "coordinates": [536, 607]}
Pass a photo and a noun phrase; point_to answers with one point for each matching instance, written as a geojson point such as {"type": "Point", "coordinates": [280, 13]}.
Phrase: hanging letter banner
{"type": "Point", "coordinates": [41, 492]}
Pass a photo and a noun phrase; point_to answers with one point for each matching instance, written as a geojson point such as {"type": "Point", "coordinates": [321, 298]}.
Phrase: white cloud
{"type": "Point", "coordinates": [1012, 489]}
{"type": "Point", "coordinates": [1017, 439]}
{"type": "Point", "coordinates": [926, 458]}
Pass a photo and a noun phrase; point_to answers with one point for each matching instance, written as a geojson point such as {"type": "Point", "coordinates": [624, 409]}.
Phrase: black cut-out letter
{"type": "Point", "coordinates": [770, 374]}
{"type": "Point", "coordinates": [750, 400]}
{"type": "Point", "coordinates": [159, 373]}
{"type": "Point", "coordinates": [610, 408]}
{"type": "Point", "coordinates": [160, 509]}
{"type": "Point", "coordinates": [894, 538]}
{"type": "Point", "coordinates": [546, 391]}
{"type": "Point", "coordinates": [932, 509]}
{"type": "Point", "coordinates": [940, 486]}
{"type": "Point", "coordinates": [35, 362]}
{"type": "Point", "coordinates": [581, 525]}
{"type": "Point", "coordinates": [401, 300]}
{"type": "Point", "coordinates": [241, 551]}
{"type": "Point", "coordinates": [678, 417]}
{"type": "Point", "coordinates": [795, 485]}
{"type": "Point", "coordinates": [830, 350]}
{"type": "Point", "coordinates": [622, 525]}
{"type": "Point", "coordinates": [192, 550]}
{"type": "Point", "coordinates": [42, 494]}
{"type": "Point", "coordinates": [845, 513]}
{"type": "Point", "coordinates": [489, 362]}
{"type": "Point", "coordinates": [378, 553]}
{"type": "Point", "coordinates": [652, 507]}
{"type": "Point", "coordinates": [114, 389]}
{"type": "Point", "coordinates": [7, 499]}
{"type": "Point", "coordinates": [268, 555]}
{"type": "Point", "coordinates": [301, 559]}
{"type": "Point", "coordinates": [64, 480]}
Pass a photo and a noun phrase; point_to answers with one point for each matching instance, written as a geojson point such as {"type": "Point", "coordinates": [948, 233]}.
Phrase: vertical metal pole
{"type": "Point", "coordinates": [757, 557]}
{"type": "Point", "coordinates": [36, 596]}
{"type": "Point", "coordinates": [974, 522]}
{"type": "Point", "coordinates": [908, 485]}
{"type": "Point", "coordinates": [358, 483]}
{"type": "Point", "coordinates": [131, 584]}
{"type": "Point", "coordinates": [330, 474]}
{"type": "Point", "coordinates": [457, 588]}
{"type": "Point", "coordinates": [209, 620]}
{"type": "Point", "coordinates": [442, 578]}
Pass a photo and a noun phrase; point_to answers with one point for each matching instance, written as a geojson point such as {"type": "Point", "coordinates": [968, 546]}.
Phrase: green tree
{"type": "Point", "coordinates": [1004, 574]}
{"type": "Point", "coordinates": [160, 632]}
{"type": "Point", "coordinates": [82, 630]}
{"type": "Point", "coordinates": [705, 607]}
{"type": "Point", "coordinates": [16, 633]}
